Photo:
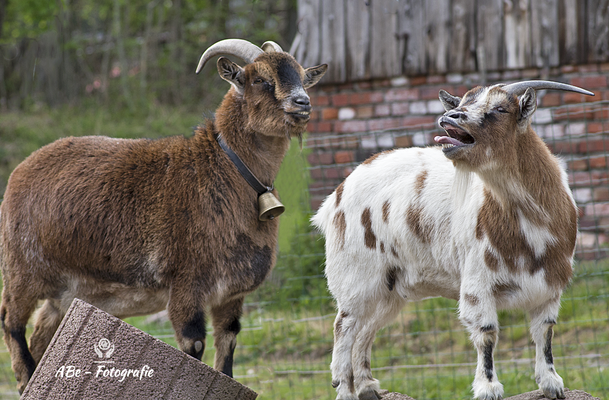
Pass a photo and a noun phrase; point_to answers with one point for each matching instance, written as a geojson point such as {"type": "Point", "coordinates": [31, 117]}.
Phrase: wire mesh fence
{"type": "Point", "coordinates": [284, 348]}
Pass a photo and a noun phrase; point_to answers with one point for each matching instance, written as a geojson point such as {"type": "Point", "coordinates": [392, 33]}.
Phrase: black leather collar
{"type": "Point", "coordinates": [245, 172]}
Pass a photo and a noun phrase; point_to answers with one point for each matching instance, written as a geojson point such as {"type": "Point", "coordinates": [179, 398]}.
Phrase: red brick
{"type": "Point", "coordinates": [566, 69]}
{"type": "Point", "coordinates": [430, 92]}
{"type": "Point", "coordinates": [364, 85]}
{"type": "Point", "coordinates": [436, 79]}
{"type": "Point", "coordinates": [458, 91]}
{"type": "Point", "coordinates": [403, 141]}
{"type": "Point", "coordinates": [597, 209]}
{"type": "Point", "coordinates": [321, 158]}
{"type": "Point", "coordinates": [418, 80]}
{"type": "Point", "coordinates": [598, 162]}
{"type": "Point", "coordinates": [315, 115]}
{"type": "Point", "coordinates": [593, 146]}
{"type": "Point", "coordinates": [604, 67]}
{"type": "Point", "coordinates": [381, 83]}
{"type": "Point", "coordinates": [401, 108]}
{"type": "Point", "coordinates": [343, 157]}
{"type": "Point", "coordinates": [367, 98]}
{"type": "Point", "coordinates": [382, 110]}
{"type": "Point", "coordinates": [595, 127]}
{"type": "Point", "coordinates": [350, 126]}
{"type": "Point", "coordinates": [348, 86]}
{"type": "Point", "coordinates": [316, 173]}
{"type": "Point", "coordinates": [588, 68]}
{"type": "Point", "coordinates": [563, 147]}
{"type": "Point", "coordinates": [578, 165]}
{"type": "Point", "coordinates": [321, 100]}
{"type": "Point", "coordinates": [570, 98]}
{"type": "Point", "coordinates": [573, 113]}
{"type": "Point", "coordinates": [319, 127]}
{"type": "Point", "coordinates": [384, 123]}
{"type": "Point", "coordinates": [590, 82]}
{"type": "Point", "coordinates": [415, 121]}
{"type": "Point", "coordinates": [402, 94]}
{"type": "Point", "coordinates": [602, 114]}
{"type": "Point", "coordinates": [341, 99]}
{"type": "Point", "coordinates": [365, 112]}
{"type": "Point", "coordinates": [329, 113]}
{"type": "Point", "coordinates": [332, 173]}
{"type": "Point", "coordinates": [601, 194]}
{"type": "Point", "coordinates": [551, 100]}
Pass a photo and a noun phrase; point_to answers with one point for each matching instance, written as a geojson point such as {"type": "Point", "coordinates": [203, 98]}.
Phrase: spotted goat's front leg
{"type": "Point", "coordinates": [479, 315]}
{"type": "Point", "coordinates": [542, 321]}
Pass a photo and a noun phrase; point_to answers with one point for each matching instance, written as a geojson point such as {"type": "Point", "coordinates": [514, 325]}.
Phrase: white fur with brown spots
{"type": "Point", "coordinates": [488, 219]}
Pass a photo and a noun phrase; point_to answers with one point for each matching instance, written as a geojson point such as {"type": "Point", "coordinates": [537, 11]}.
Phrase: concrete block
{"type": "Point", "coordinates": [95, 355]}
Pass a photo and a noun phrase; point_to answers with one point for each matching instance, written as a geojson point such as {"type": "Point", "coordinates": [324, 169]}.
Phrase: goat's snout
{"type": "Point", "coordinates": [456, 114]}
{"type": "Point", "coordinates": [302, 101]}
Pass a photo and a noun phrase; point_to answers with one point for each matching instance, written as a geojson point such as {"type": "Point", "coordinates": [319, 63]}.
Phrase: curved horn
{"type": "Point", "coordinates": [243, 49]}
{"type": "Point", "coordinates": [519, 88]}
{"type": "Point", "coordinates": [271, 47]}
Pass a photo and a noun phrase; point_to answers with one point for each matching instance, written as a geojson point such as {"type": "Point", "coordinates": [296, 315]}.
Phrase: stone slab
{"type": "Point", "coordinates": [534, 395]}
{"type": "Point", "coordinates": [95, 355]}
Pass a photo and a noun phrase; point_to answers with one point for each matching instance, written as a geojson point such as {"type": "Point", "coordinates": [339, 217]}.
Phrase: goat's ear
{"type": "Point", "coordinates": [232, 73]}
{"type": "Point", "coordinates": [527, 106]}
{"type": "Point", "coordinates": [448, 100]}
{"type": "Point", "coordinates": [313, 75]}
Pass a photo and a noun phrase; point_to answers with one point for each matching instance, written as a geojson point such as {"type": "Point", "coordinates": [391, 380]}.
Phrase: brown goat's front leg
{"type": "Point", "coordinates": [188, 319]}
{"type": "Point", "coordinates": [14, 315]}
{"type": "Point", "coordinates": [226, 327]}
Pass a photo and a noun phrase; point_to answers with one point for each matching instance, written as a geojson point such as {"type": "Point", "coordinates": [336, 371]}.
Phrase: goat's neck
{"type": "Point", "coordinates": [528, 179]}
{"type": "Point", "coordinates": [262, 152]}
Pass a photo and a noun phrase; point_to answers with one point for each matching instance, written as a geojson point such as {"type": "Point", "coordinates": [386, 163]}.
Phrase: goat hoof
{"type": "Point", "coordinates": [488, 390]}
{"type": "Point", "coordinates": [554, 393]}
{"type": "Point", "coordinates": [369, 395]}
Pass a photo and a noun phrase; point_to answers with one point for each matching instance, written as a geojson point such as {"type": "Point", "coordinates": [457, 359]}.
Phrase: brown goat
{"type": "Point", "coordinates": [137, 226]}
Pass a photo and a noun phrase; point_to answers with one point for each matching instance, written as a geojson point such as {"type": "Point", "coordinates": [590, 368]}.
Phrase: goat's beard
{"type": "Point", "coordinates": [461, 185]}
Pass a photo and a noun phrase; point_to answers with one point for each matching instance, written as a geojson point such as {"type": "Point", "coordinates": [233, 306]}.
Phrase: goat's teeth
{"type": "Point", "coordinates": [447, 145]}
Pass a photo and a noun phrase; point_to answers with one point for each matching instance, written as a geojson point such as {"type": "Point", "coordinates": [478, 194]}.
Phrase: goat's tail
{"type": "Point", "coordinates": [321, 219]}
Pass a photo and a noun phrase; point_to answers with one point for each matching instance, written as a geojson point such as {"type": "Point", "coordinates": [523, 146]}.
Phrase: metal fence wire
{"type": "Point", "coordinates": [284, 348]}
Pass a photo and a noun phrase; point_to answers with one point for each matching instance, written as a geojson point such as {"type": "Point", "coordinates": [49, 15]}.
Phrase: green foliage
{"type": "Point", "coordinates": [126, 53]}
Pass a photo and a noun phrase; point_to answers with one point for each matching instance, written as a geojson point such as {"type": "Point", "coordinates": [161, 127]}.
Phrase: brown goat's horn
{"type": "Point", "coordinates": [243, 49]}
{"type": "Point", "coordinates": [519, 88]}
{"type": "Point", "coordinates": [271, 47]}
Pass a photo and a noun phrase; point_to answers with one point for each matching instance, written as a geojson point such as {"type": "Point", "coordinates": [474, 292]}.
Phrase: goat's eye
{"type": "Point", "coordinates": [258, 80]}
{"type": "Point", "coordinates": [500, 109]}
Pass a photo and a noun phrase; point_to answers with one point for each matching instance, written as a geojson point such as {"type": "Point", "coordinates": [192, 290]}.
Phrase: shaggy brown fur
{"type": "Point", "coordinates": [137, 226]}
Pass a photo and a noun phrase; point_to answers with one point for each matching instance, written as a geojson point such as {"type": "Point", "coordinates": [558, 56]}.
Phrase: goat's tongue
{"type": "Point", "coordinates": [447, 140]}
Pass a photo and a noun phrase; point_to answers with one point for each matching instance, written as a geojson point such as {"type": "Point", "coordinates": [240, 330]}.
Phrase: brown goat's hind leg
{"type": "Point", "coordinates": [14, 315]}
{"type": "Point", "coordinates": [188, 320]}
{"type": "Point", "coordinates": [48, 319]}
{"type": "Point", "coordinates": [226, 324]}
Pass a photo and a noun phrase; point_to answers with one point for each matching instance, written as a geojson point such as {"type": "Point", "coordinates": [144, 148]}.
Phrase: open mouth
{"type": "Point", "coordinates": [300, 115]}
{"type": "Point", "coordinates": [455, 136]}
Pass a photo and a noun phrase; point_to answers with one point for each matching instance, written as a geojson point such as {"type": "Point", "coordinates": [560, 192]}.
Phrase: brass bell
{"type": "Point", "coordinates": [269, 207]}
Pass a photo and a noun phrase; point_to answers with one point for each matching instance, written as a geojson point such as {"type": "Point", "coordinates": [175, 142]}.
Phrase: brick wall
{"type": "Point", "coordinates": [355, 120]}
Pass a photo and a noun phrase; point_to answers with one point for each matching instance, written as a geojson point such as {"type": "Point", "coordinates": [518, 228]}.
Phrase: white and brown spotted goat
{"type": "Point", "coordinates": [137, 226]}
{"type": "Point", "coordinates": [488, 219]}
